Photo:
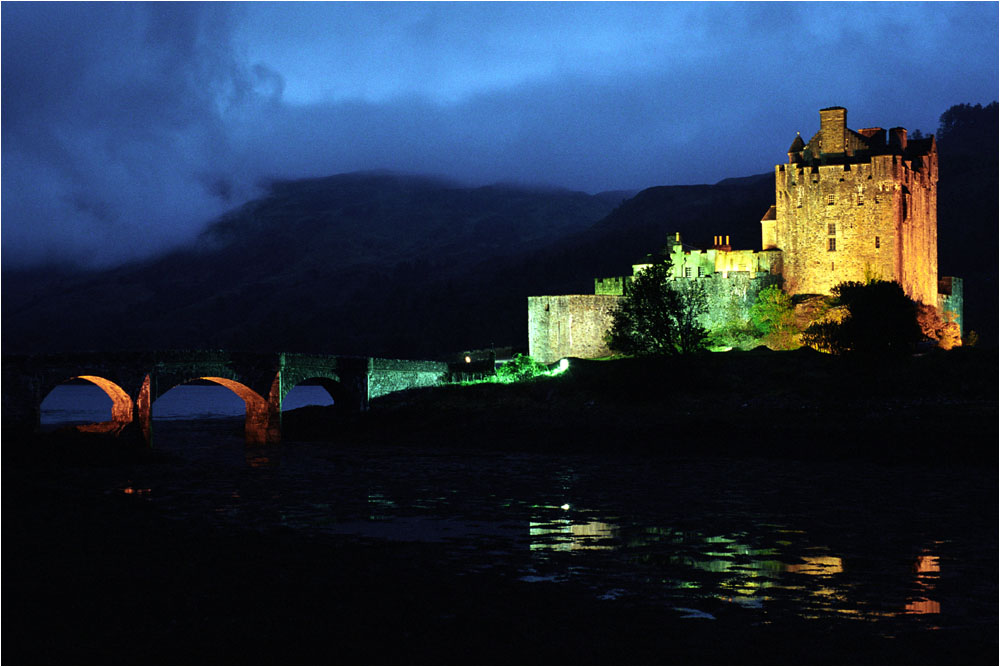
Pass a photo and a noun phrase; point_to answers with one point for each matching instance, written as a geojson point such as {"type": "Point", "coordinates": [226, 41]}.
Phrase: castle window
{"type": "Point", "coordinates": [687, 271]}
{"type": "Point", "coordinates": [831, 228]}
{"type": "Point", "coordinates": [831, 245]}
{"type": "Point", "coordinates": [861, 199]}
{"type": "Point", "coordinates": [701, 271]}
{"type": "Point", "coordinates": [831, 200]}
{"type": "Point", "coordinates": [878, 199]}
{"type": "Point", "coordinates": [877, 243]}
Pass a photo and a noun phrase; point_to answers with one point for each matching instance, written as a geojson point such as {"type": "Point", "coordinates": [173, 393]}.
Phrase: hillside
{"type": "Point", "coordinates": [409, 266]}
{"type": "Point", "coordinates": [376, 264]}
{"type": "Point", "coordinates": [328, 264]}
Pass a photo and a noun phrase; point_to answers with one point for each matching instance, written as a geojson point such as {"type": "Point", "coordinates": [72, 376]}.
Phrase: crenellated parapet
{"type": "Point", "coordinates": [850, 205]}
{"type": "Point", "coordinates": [854, 205]}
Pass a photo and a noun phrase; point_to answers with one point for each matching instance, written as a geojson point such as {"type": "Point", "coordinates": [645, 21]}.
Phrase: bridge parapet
{"type": "Point", "coordinates": [390, 375]}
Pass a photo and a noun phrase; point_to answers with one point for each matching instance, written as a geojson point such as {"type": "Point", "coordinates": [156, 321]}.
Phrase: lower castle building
{"type": "Point", "coordinates": [849, 206]}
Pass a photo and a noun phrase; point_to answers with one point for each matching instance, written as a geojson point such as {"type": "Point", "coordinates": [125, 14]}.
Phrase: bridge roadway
{"type": "Point", "coordinates": [134, 380]}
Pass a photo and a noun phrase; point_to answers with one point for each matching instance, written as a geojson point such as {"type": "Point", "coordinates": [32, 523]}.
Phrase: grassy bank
{"type": "Point", "coordinates": [940, 407]}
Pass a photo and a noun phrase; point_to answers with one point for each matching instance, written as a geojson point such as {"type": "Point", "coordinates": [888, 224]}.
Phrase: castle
{"type": "Point", "coordinates": [849, 206]}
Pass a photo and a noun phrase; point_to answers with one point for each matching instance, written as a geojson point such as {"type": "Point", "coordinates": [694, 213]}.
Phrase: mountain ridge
{"type": "Point", "coordinates": [389, 264]}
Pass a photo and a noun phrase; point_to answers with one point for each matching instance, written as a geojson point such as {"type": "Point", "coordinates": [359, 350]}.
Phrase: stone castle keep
{"type": "Point", "coordinates": [849, 205]}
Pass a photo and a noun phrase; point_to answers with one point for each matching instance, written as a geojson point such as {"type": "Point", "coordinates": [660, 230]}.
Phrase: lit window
{"type": "Point", "coordinates": [831, 245]}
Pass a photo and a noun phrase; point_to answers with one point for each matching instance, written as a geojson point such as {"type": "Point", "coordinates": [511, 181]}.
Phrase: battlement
{"type": "Point", "coordinates": [614, 286]}
{"type": "Point", "coordinates": [835, 143]}
{"type": "Point", "coordinates": [849, 206]}
{"type": "Point", "coordinates": [853, 204]}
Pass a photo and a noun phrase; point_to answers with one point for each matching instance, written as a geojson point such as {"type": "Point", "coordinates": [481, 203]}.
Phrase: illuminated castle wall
{"type": "Point", "coordinates": [574, 325]}
{"type": "Point", "coordinates": [856, 204]}
{"type": "Point", "coordinates": [849, 206]}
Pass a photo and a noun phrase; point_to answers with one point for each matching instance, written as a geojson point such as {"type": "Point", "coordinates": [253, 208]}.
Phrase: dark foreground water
{"type": "Point", "coordinates": [886, 550]}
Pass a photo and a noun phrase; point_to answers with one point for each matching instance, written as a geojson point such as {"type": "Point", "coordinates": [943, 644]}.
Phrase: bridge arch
{"type": "Point", "coordinates": [259, 425]}
{"type": "Point", "coordinates": [339, 393]}
{"type": "Point", "coordinates": [122, 405]}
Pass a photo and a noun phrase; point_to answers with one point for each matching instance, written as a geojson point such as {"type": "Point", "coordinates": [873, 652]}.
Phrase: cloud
{"type": "Point", "coordinates": [127, 127]}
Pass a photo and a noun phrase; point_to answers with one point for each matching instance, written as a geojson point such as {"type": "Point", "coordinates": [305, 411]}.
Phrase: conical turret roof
{"type": "Point", "coordinates": [797, 145]}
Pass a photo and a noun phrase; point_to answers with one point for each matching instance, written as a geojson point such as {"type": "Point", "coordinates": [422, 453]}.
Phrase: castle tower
{"type": "Point", "coordinates": [850, 205]}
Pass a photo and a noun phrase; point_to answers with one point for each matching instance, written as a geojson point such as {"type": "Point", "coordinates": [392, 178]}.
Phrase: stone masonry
{"type": "Point", "coordinates": [570, 325]}
{"type": "Point", "coordinates": [849, 206]}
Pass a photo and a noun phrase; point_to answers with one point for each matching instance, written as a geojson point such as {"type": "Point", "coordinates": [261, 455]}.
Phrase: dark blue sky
{"type": "Point", "coordinates": [127, 127]}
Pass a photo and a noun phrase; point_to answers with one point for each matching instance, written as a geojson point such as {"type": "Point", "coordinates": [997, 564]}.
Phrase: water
{"type": "Point", "coordinates": [86, 403]}
{"type": "Point", "coordinates": [893, 547]}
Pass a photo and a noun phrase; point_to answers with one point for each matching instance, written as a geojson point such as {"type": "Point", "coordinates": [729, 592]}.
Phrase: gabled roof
{"type": "Point", "coordinates": [920, 146]}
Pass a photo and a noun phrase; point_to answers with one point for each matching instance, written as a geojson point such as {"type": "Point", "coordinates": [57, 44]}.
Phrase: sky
{"type": "Point", "coordinates": [128, 127]}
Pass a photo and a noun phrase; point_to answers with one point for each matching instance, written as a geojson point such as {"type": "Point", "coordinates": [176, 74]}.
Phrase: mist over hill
{"type": "Point", "coordinates": [334, 264]}
{"type": "Point", "coordinates": [409, 266]}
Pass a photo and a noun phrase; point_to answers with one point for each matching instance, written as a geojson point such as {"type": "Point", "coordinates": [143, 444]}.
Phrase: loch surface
{"type": "Point", "coordinates": [886, 550]}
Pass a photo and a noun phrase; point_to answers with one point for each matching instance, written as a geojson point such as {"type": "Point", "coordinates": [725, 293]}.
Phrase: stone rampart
{"type": "Point", "coordinates": [570, 325]}
{"type": "Point", "coordinates": [731, 296]}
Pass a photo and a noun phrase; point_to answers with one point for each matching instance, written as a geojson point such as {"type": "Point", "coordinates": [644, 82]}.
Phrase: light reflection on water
{"type": "Point", "coordinates": [762, 548]}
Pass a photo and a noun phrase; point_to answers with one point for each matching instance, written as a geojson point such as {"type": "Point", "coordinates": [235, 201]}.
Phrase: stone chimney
{"type": "Point", "coordinates": [897, 139]}
{"type": "Point", "coordinates": [833, 129]}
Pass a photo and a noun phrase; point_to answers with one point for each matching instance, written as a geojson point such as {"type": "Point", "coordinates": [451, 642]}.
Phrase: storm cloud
{"type": "Point", "coordinates": [128, 127]}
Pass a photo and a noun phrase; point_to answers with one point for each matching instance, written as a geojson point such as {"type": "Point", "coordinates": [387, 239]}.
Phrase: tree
{"type": "Point", "coordinates": [943, 330]}
{"type": "Point", "coordinates": [877, 319]}
{"type": "Point", "coordinates": [659, 315]}
{"type": "Point", "coordinates": [774, 316]}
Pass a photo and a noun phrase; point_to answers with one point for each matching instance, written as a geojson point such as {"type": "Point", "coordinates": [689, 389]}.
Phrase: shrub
{"type": "Point", "coordinates": [773, 314]}
{"type": "Point", "coordinates": [521, 368]}
{"type": "Point", "coordinates": [877, 319]}
{"type": "Point", "coordinates": [942, 330]}
{"type": "Point", "coordinates": [735, 333]}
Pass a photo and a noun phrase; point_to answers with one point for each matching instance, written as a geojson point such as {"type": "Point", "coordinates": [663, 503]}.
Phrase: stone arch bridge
{"type": "Point", "coordinates": [134, 380]}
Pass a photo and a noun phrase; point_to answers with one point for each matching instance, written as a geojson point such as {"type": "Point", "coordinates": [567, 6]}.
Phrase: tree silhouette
{"type": "Point", "coordinates": [659, 315]}
{"type": "Point", "coordinates": [880, 320]}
